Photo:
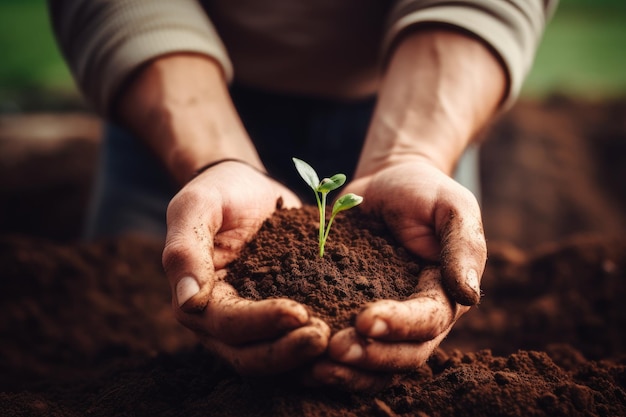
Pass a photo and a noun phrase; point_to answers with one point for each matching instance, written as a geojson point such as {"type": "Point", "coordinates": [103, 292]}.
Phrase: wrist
{"type": "Point", "coordinates": [440, 149]}
{"type": "Point", "coordinates": [369, 167]}
{"type": "Point", "coordinates": [212, 164]}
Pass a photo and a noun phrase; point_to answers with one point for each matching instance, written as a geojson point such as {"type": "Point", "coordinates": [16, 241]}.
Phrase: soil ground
{"type": "Point", "coordinates": [86, 329]}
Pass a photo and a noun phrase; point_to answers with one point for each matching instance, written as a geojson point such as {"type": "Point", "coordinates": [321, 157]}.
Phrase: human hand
{"type": "Point", "coordinates": [208, 223]}
{"type": "Point", "coordinates": [438, 220]}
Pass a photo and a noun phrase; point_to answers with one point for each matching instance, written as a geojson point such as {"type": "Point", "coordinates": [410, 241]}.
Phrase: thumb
{"type": "Point", "coordinates": [189, 247]}
{"type": "Point", "coordinates": [463, 254]}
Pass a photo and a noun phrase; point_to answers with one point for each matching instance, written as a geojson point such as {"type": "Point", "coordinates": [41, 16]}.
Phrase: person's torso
{"type": "Point", "coordinates": [325, 48]}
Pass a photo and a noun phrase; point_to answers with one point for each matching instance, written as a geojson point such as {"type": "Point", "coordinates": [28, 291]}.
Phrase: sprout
{"type": "Point", "coordinates": [322, 188]}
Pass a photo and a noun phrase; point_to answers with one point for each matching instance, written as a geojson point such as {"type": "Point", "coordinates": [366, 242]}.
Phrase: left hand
{"type": "Point", "coordinates": [208, 222]}
{"type": "Point", "coordinates": [439, 220]}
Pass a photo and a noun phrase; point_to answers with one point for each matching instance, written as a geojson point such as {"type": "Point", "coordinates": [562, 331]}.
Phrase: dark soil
{"type": "Point", "coordinates": [86, 329]}
{"type": "Point", "coordinates": [362, 263]}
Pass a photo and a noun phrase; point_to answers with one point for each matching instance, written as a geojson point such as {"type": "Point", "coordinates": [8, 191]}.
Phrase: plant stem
{"type": "Point", "coordinates": [322, 208]}
{"type": "Point", "coordinates": [330, 222]}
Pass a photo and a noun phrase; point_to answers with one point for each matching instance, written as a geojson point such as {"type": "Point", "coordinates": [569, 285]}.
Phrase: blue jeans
{"type": "Point", "coordinates": [132, 188]}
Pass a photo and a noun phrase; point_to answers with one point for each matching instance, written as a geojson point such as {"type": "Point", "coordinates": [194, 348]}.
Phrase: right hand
{"type": "Point", "coordinates": [438, 220]}
{"type": "Point", "coordinates": [208, 223]}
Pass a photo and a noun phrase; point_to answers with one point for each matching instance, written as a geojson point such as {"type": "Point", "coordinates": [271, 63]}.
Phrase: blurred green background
{"type": "Point", "coordinates": [583, 54]}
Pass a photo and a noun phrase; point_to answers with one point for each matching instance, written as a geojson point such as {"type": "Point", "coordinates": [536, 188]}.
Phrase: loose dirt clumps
{"type": "Point", "coordinates": [86, 329]}
{"type": "Point", "coordinates": [362, 263]}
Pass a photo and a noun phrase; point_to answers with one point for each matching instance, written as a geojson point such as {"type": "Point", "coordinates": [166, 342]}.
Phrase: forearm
{"type": "Point", "coordinates": [440, 87]}
{"type": "Point", "coordinates": [179, 105]}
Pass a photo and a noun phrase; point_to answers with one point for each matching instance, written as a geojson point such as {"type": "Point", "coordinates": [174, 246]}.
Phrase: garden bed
{"type": "Point", "coordinates": [86, 328]}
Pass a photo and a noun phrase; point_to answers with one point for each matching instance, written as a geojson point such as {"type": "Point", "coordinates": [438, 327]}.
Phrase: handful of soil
{"type": "Point", "coordinates": [362, 263]}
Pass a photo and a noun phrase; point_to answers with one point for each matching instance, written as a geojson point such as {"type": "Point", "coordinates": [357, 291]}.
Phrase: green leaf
{"type": "Point", "coordinates": [307, 173]}
{"type": "Point", "coordinates": [332, 183]}
{"type": "Point", "coordinates": [346, 202]}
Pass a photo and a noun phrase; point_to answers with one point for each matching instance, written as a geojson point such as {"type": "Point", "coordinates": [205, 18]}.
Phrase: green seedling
{"type": "Point", "coordinates": [322, 188]}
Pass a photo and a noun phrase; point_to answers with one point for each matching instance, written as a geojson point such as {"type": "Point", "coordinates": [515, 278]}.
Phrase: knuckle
{"type": "Point", "coordinates": [186, 321]}
{"type": "Point", "coordinates": [315, 342]}
{"type": "Point", "coordinates": [191, 198]}
{"type": "Point", "coordinates": [431, 318]}
{"type": "Point", "coordinates": [183, 199]}
{"type": "Point", "coordinates": [437, 324]}
{"type": "Point", "coordinates": [174, 255]}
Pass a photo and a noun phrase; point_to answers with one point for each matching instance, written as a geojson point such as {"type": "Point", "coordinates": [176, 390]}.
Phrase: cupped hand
{"type": "Point", "coordinates": [208, 223]}
{"type": "Point", "coordinates": [438, 220]}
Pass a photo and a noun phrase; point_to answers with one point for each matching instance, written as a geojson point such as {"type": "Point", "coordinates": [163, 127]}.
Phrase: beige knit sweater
{"type": "Point", "coordinates": [328, 48]}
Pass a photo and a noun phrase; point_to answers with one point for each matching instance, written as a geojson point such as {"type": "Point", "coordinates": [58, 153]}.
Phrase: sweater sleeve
{"type": "Point", "coordinates": [511, 28]}
{"type": "Point", "coordinates": [104, 42]}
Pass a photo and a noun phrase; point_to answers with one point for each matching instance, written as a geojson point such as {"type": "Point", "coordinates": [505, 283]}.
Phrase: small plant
{"type": "Point", "coordinates": [322, 188]}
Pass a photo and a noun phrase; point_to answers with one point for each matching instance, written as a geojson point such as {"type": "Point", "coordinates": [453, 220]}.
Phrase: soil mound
{"type": "Point", "coordinates": [86, 329]}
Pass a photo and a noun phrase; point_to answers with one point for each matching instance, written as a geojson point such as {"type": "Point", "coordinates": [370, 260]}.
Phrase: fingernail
{"type": "Point", "coordinates": [379, 328]}
{"type": "Point", "coordinates": [472, 281]}
{"type": "Point", "coordinates": [353, 354]}
{"type": "Point", "coordinates": [186, 288]}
